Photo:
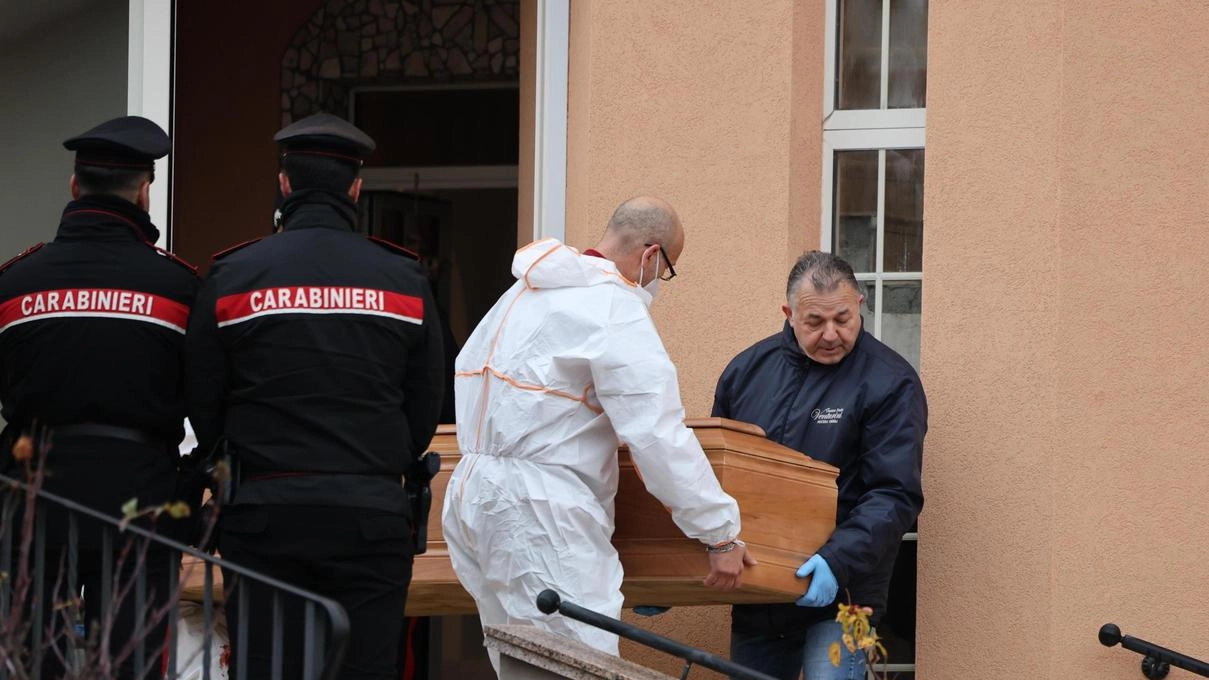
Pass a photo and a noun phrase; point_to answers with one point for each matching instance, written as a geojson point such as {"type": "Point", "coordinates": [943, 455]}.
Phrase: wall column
{"type": "Point", "coordinates": [149, 92]}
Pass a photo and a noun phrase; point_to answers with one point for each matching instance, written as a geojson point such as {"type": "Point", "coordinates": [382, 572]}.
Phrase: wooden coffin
{"type": "Point", "coordinates": [787, 502]}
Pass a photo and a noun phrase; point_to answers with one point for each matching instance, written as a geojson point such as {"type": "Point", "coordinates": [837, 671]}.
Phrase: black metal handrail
{"type": "Point", "coordinates": [1156, 660]}
{"type": "Point", "coordinates": [549, 602]}
{"type": "Point", "coordinates": [325, 639]}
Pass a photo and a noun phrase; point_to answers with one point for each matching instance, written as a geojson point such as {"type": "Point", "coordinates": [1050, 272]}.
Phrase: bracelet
{"type": "Point", "coordinates": [724, 547]}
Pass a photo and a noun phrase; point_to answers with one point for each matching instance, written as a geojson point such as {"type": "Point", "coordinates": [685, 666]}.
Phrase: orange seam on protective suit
{"type": "Point", "coordinates": [532, 388]}
{"type": "Point", "coordinates": [461, 487]}
{"type": "Point", "coordinates": [536, 262]}
{"type": "Point", "coordinates": [620, 276]}
{"type": "Point", "coordinates": [478, 432]}
{"type": "Point", "coordinates": [499, 331]}
{"type": "Point", "coordinates": [534, 243]}
{"type": "Point", "coordinates": [538, 388]}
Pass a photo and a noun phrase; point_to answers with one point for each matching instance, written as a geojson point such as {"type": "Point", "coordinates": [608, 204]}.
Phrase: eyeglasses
{"type": "Point", "coordinates": [669, 273]}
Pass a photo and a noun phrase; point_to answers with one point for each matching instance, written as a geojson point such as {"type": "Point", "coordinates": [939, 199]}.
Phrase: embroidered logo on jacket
{"type": "Point", "coordinates": [827, 416]}
{"type": "Point", "coordinates": [105, 303]}
{"type": "Point", "coordinates": [240, 307]}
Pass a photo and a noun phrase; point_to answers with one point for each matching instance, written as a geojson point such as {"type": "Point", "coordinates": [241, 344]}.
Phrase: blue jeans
{"type": "Point", "coordinates": [783, 655]}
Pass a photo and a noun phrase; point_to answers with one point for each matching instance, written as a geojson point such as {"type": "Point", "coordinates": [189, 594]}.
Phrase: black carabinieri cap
{"type": "Point", "coordinates": [128, 142]}
{"type": "Point", "coordinates": [325, 135]}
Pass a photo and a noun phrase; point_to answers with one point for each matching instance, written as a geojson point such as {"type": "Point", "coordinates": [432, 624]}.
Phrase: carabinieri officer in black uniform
{"type": "Point", "coordinates": [314, 358]}
{"type": "Point", "coordinates": [92, 330]}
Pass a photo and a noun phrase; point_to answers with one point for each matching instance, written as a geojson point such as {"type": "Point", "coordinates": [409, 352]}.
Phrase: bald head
{"type": "Point", "coordinates": [645, 219]}
{"type": "Point", "coordinates": [637, 230]}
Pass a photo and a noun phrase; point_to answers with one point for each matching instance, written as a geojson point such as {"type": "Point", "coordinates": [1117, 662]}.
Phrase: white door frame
{"type": "Point", "coordinates": [550, 120]}
{"type": "Point", "coordinates": [149, 92]}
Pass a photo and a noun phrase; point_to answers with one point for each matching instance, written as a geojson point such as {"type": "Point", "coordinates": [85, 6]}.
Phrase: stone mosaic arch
{"type": "Point", "coordinates": [347, 43]}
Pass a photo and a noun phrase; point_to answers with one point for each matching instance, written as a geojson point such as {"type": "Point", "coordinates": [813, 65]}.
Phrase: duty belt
{"type": "Point", "coordinates": [258, 474]}
{"type": "Point", "coordinates": [129, 434]}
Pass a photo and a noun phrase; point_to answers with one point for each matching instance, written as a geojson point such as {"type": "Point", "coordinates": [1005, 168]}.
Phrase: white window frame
{"type": "Point", "coordinates": [872, 130]}
{"type": "Point", "coordinates": [880, 140]}
{"type": "Point", "coordinates": [866, 130]}
{"type": "Point", "coordinates": [149, 74]}
{"type": "Point", "coordinates": [861, 119]}
{"type": "Point", "coordinates": [550, 119]}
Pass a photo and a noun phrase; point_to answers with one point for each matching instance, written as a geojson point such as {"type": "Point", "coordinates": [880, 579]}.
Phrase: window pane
{"type": "Point", "coordinates": [855, 229]}
{"type": "Point", "coordinates": [901, 303]}
{"type": "Point", "coordinates": [908, 54]}
{"type": "Point", "coordinates": [869, 290]}
{"type": "Point", "coordinates": [860, 55]}
{"type": "Point", "coordinates": [904, 230]}
{"type": "Point", "coordinates": [897, 627]}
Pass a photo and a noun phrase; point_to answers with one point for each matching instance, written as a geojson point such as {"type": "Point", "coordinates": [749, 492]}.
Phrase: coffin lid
{"type": "Point", "coordinates": [735, 434]}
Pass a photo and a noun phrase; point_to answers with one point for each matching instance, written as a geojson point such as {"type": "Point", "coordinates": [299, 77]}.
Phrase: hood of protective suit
{"type": "Point", "coordinates": [550, 264]}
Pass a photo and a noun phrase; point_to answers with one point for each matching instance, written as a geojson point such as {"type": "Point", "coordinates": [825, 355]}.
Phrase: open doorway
{"type": "Point", "coordinates": [464, 237]}
{"type": "Point", "coordinates": [437, 85]}
{"type": "Point", "coordinates": [443, 183]}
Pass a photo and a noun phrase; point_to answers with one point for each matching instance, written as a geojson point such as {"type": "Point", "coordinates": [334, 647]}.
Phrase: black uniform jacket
{"type": "Point", "coordinates": [317, 353]}
{"type": "Point", "coordinates": [865, 415]}
{"type": "Point", "coordinates": [92, 330]}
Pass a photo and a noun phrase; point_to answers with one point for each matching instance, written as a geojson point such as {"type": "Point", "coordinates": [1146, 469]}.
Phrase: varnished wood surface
{"type": "Point", "coordinates": [786, 500]}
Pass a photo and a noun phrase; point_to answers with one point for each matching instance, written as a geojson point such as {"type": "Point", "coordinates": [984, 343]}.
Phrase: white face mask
{"type": "Point", "coordinates": [651, 286]}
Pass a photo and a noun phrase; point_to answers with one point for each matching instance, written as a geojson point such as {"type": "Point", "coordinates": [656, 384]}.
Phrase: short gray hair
{"type": "Point", "coordinates": [641, 220]}
{"type": "Point", "coordinates": [825, 272]}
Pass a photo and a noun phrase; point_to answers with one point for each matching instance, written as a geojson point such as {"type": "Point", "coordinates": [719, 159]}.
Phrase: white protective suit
{"type": "Point", "coordinates": [564, 365]}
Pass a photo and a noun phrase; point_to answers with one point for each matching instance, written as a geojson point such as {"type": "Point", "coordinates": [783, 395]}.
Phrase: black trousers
{"type": "Point", "coordinates": [129, 622]}
{"type": "Point", "coordinates": [358, 557]}
{"type": "Point", "coordinates": [101, 473]}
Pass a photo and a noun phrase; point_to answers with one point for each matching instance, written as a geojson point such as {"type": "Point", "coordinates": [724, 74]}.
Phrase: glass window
{"type": "Point", "coordinates": [860, 76]}
{"type": "Point", "coordinates": [856, 207]}
{"type": "Point", "coordinates": [901, 301]}
{"type": "Point", "coordinates": [883, 244]}
{"type": "Point", "coordinates": [904, 210]}
{"type": "Point", "coordinates": [908, 78]}
{"type": "Point", "coordinates": [881, 54]}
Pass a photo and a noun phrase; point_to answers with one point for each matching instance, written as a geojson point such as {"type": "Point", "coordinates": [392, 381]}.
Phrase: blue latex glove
{"type": "Point", "coordinates": [823, 585]}
{"type": "Point", "coordinates": [649, 610]}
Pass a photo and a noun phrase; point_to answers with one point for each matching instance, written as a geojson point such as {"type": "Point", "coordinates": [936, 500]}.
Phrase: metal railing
{"type": "Point", "coordinates": [1156, 661]}
{"type": "Point", "coordinates": [549, 602]}
{"type": "Point", "coordinates": [24, 644]}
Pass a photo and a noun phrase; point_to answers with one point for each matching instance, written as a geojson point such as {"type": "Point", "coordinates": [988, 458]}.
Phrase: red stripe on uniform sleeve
{"type": "Point", "coordinates": [234, 306]}
{"type": "Point", "coordinates": [404, 305]}
{"type": "Point", "coordinates": [171, 311]}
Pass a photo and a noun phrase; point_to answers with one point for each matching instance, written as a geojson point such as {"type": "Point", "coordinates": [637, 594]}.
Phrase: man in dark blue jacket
{"type": "Point", "coordinates": [825, 387]}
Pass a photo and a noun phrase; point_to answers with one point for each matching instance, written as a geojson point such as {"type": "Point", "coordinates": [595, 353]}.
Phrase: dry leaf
{"type": "Point", "coordinates": [23, 448]}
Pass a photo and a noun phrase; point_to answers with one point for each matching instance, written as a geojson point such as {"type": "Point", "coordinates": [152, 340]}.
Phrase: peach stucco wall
{"type": "Point", "coordinates": [1064, 352]}
{"type": "Point", "coordinates": [528, 119]}
{"type": "Point", "coordinates": [715, 106]}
